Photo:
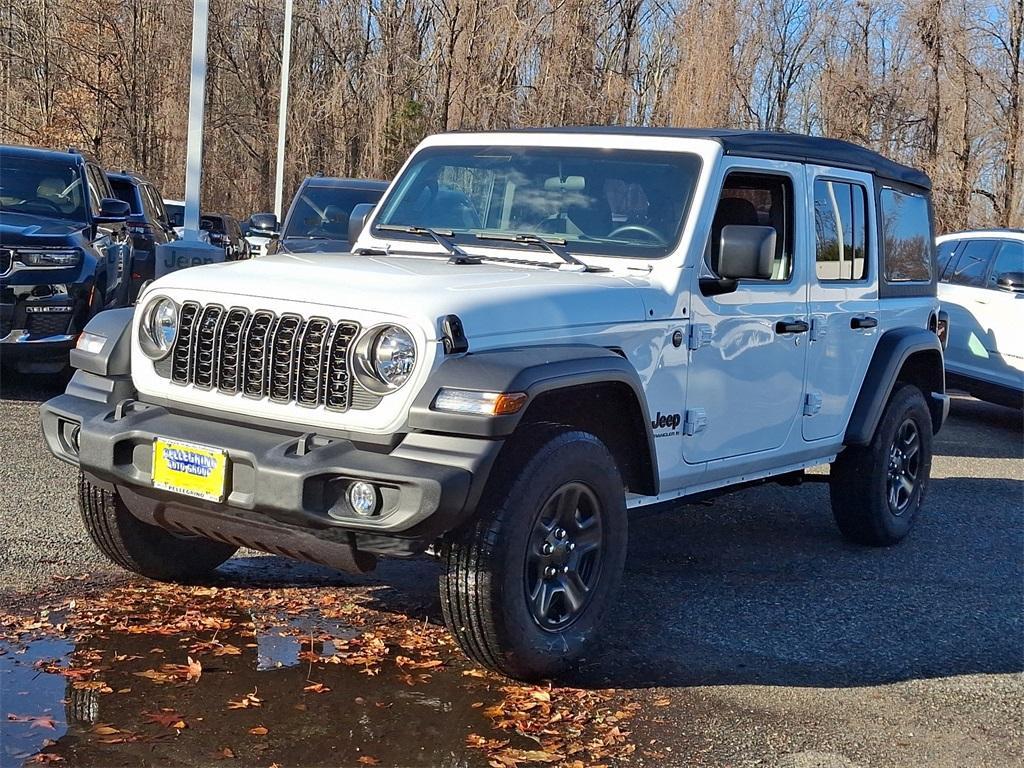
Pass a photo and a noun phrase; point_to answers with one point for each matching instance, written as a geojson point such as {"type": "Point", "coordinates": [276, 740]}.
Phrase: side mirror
{"type": "Point", "coordinates": [264, 224]}
{"type": "Point", "coordinates": [112, 211]}
{"type": "Point", "coordinates": [1011, 281]}
{"type": "Point", "coordinates": [746, 252]}
{"type": "Point", "coordinates": [357, 220]}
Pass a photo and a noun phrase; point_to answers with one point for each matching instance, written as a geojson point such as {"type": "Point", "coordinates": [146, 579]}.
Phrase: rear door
{"type": "Point", "coordinates": [842, 296]}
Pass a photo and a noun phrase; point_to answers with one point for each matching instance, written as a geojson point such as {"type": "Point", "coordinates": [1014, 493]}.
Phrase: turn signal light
{"type": "Point", "coordinates": [479, 403]}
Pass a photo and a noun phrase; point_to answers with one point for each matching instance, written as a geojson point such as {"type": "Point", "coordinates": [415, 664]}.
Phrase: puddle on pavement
{"type": "Point", "coordinates": [302, 690]}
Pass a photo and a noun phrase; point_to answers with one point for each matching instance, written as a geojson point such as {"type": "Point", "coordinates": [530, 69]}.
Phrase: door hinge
{"type": "Point", "coordinates": [700, 335]}
{"type": "Point", "coordinates": [819, 327]}
{"type": "Point", "coordinates": [812, 403]}
{"type": "Point", "coordinates": [695, 420]}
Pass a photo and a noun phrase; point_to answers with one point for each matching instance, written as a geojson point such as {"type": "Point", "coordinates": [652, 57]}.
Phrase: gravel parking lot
{"type": "Point", "coordinates": [749, 631]}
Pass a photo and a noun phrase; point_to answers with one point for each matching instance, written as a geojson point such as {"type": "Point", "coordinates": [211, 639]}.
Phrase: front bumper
{"type": "Point", "coordinates": [39, 322]}
{"type": "Point", "coordinates": [280, 482]}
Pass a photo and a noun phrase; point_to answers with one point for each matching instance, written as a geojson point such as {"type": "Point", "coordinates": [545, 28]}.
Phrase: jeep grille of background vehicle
{"type": "Point", "coordinates": [285, 358]}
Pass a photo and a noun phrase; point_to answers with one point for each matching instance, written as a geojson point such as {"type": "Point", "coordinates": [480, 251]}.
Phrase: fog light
{"type": "Point", "coordinates": [363, 498]}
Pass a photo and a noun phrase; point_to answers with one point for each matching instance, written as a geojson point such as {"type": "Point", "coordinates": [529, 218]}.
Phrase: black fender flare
{"type": "Point", "coordinates": [114, 358]}
{"type": "Point", "coordinates": [894, 349]}
{"type": "Point", "coordinates": [534, 370]}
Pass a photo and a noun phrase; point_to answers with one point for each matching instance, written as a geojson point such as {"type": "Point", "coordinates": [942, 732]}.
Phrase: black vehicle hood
{"type": "Point", "coordinates": [26, 229]}
{"type": "Point", "coordinates": [305, 245]}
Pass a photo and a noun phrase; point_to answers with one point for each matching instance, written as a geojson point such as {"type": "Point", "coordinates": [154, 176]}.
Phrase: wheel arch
{"type": "Point", "coordinates": [586, 387]}
{"type": "Point", "coordinates": [902, 355]}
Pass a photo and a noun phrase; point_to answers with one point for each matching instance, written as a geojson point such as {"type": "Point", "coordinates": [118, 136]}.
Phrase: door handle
{"type": "Point", "coordinates": [867, 321]}
{"type": "Point", "coordinates": [792, 326]}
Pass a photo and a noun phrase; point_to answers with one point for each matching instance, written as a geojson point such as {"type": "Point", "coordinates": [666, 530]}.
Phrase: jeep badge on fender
{"type": "Point", "coordinates": [475, 380]}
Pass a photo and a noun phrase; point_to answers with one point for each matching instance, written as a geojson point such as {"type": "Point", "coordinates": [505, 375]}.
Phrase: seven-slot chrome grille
{"type": "Point", "coordinates": [286, 358]}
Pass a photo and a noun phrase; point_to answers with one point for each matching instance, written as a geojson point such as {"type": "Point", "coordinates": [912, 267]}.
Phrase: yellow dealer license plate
{"type": "Point", "coordinates": [194, 470]}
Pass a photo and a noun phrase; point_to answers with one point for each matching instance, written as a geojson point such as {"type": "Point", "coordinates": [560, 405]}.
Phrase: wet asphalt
{"type": "Point", "coordinates": [750, 632]}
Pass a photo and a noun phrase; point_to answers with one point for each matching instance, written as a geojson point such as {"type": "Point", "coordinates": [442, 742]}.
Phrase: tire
{"type": "Point", "coordinates": [520, 554]}
{"type": "Point", "coordinates": [143, 548]}
{"type": "Point", "coordinates": [877, 490]}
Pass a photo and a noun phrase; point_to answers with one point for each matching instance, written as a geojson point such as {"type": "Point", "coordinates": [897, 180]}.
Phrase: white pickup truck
{"type": "Point", "coordinates": [535, 333]}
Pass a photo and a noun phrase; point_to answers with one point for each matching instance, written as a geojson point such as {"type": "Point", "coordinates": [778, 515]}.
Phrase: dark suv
{"type": "Point", "coordinates": [225, 232]}
{"type": "Point", "coordinates": [65, 253]}
{"type": "Point", "coordinates": [148, 223]}
{"type": "Point", "coordinates": [318, 218]}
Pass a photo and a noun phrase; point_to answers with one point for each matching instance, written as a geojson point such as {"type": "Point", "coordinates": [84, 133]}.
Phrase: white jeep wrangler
{"type": "Point", "coordinates": [535, 333]}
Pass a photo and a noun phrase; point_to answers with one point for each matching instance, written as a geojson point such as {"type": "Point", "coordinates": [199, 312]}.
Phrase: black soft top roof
{"type": "Point", "coordinates": [773, 145]}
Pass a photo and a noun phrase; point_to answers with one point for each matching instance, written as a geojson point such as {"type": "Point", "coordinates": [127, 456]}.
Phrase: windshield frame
{"type": "Point", "coordinates": [613, 250]}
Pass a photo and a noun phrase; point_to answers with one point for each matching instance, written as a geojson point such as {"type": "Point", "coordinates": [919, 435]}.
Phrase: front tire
{"type": "Point", "coordinates": [143, 548]}
{"type": "Point", "coordinates": [877, 490]}
{"type": "Point", "coordinates": [529, 580]}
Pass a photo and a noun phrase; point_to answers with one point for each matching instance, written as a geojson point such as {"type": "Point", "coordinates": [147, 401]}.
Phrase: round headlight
{"type": "Point", "coordinates": [393, 355]}
{"type": "Point", "coordinates": [159, 328]}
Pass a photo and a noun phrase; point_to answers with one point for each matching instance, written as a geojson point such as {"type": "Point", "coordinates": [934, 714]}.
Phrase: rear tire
{"type": "Point", "coordinates": [877, 490]}
{"type": "Point", "coordinates": [142, 548]}
{"type": "Point", "coordinates": [528, 581]}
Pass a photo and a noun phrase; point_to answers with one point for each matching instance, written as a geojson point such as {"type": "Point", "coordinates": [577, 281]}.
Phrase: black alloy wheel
{"type": "Point", "coordinates": [563, 562]}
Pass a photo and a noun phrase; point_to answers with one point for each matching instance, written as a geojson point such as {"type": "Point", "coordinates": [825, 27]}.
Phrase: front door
{"type": "Point", "coordinates": [843, 296]}
{"type": "Point", "coordinates": [745, 380]}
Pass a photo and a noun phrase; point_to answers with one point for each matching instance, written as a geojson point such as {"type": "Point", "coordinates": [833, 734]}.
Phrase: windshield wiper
{"type": "Point", "coordinates": [554, 245]}
{"type": "Point", "coordinates": [440, 236]}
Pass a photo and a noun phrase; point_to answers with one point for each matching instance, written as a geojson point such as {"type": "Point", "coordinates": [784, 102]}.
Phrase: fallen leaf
{"type": "Point", "coordinates": [224, 753]}
{"type": "Point", "coordinates": [249, 700]}
{"type": "Point", "coordinates": [104, 730]}
{"type": "Point", "coordinates": [259, 730]}
{"type": "Point", "coordinates": [167, 718]}
{"type": "Point", "coordinates": [368, 760]}
{"type": "Point", "coordinates": [195, 670]}
{"type": "Point", "coordinates": [317, 688]}
{"type": "Point", "coordinates": [663, 702]}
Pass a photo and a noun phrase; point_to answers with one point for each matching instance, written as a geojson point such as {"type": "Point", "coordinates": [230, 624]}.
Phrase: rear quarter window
{"type": "Point", "coordinates": [907, 243]}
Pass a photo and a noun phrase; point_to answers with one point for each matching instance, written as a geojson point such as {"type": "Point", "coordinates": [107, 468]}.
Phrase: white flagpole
{"type": "Point", "coordinates": [282, 114]}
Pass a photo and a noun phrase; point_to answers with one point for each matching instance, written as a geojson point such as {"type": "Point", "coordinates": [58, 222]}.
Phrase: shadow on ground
{"type": "Point", "coordinates": [33, 388]}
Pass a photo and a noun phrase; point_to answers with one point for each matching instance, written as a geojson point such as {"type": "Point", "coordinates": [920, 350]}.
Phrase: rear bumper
{"type": "Point", "coordinates": [427, 483]}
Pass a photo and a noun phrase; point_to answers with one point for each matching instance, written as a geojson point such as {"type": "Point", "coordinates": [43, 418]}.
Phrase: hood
{"type": "Point", "coordinates": [489, 298]}
{"type": "Point", "coordinates": [307, 245]}
{"type": "Point", "coordinates": [27, 229]}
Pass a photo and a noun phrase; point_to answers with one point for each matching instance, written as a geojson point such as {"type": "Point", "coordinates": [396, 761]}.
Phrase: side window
{"type": "Point", "coordinates": [158, 205]}
{"type": "Point", "coordinates": [944, 255]}
{"type": "Point", "coordinates": [756, 199]}
{"type": "Point", "coordinates": [906, 236]}
{"type": "Point", "coordinates": [841, 230]}
{"type": "Point", "coordinates": [973, 263]}
{"type": "Point", "coordinates": [96, 191]}
{"type": "Point", "coordinates": [1009, 259]}
{"type": "Point", "coordinates": [148, 203]}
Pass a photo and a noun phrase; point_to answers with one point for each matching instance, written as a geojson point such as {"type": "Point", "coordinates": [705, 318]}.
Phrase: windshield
{"type": "Point", "coordinates": [41, 187]}
{"type": "Point", "coordinates": [599, 201]}
{"type": "Point", "coordinates": [322, 212]}
{"type": "Point", "coordinates": [175, 214]}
